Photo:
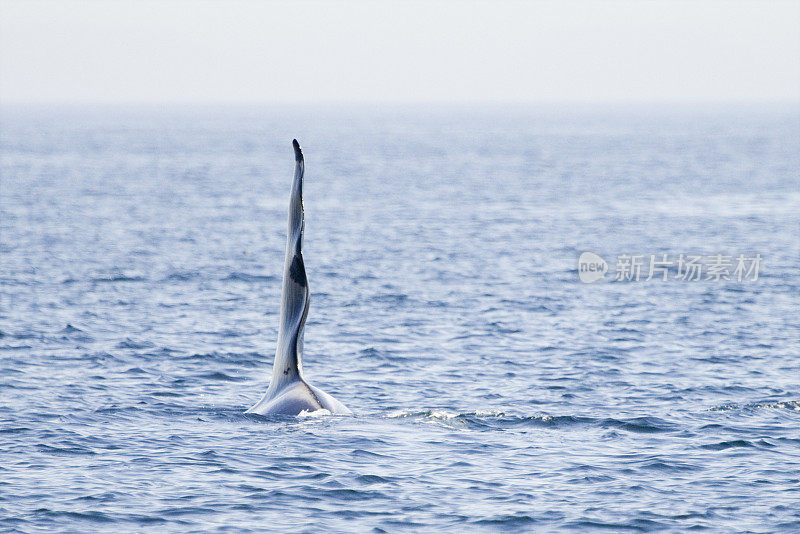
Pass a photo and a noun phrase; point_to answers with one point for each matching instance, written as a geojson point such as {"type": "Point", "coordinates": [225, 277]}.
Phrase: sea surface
{"type": "Point", "coordinates": [141, 251]}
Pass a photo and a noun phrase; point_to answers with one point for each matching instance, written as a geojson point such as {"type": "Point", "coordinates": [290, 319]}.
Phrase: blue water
{"type": "Point", "coordinates": [141, 254]}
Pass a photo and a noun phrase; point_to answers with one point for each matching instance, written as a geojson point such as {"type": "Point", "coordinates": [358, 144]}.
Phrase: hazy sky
{"type": "Point", "coordinates": [217, 52]}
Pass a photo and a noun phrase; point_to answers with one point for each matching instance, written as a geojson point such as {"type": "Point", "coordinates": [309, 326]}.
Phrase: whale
{"type": "Point", "coordinates": [289, 393]}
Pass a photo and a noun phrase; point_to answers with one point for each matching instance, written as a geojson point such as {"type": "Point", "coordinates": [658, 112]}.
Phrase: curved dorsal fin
{"type": "Point", "coordinates": [295, 296]}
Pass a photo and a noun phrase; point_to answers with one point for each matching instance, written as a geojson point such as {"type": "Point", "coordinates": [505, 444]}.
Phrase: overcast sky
{"type": "Point", "coordinates": [435, 51]}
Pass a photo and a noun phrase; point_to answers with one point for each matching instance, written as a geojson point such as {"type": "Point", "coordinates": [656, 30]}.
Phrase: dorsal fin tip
{"type": "Point", "coordinates": [298, 152]}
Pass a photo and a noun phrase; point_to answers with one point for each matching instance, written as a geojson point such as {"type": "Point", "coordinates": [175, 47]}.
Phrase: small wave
{"type": "Point", "coordinates": [373, 479]}
{"type": "Point", "coordinates": [497, 327]}
{"type": "Point", "coordinates": [385, 356]}
{"type": "Point", "coordinates": [184, 510]}
{"type": "Point", "coordinates": [783, 405]}
{"type": "Point", "coordinates": [73, 333]}
{"type": "Point", "coordinates": [131, 344]}
{"type": "Point", "coordinates": [237, 276]}
{"type": "Point", "coordinates": [240, 359]}
{"type": "Point", "coordinates": [780, 405]}
{"type": "Point", "coordinates": [312, 414]}
{"type": "Point", "coordinates": [347, 494]}
{"type": "Point", "coordinates": [640, 525]}
{"type": "Point", "coordinates": [722, 445]}
{"type": "Point", "coordinates": [491, 420]}
{"type": "Point", "coordinates": [68, 449]}
{"type": "Point", "coordinates": [69, 329]}
{"type": "Point", "coordinates": [218, 375]}
{"type": "Point", "coordinates": [117, 410]}
{"type": "Point", "coordinates": [97, 517]}
{"type": "Point", "coordinates": [669, 466]}
{"type": "Point", "coordinates": [390, 298]}
{"type": "Point", "coordinates": [118, 278]}
{"type": "Point", "coordinates": [498, 420]}
{"type": "Point", "coordinates": [229, 332]}
{"type": "Point", "coordinates": [361, 453]}
{"type": "Point", "coordinates": [15, 347]}
{"type": "Point", "coordinates": [146, 519]}
{"type": "Point", "coordinates": [181, 276]}
{"type": "Point", "coordinates": [506, 521]}
{"type": "Point", "coordinates": [369, 352]}
{"type": "Point", "coordinates": [108, 496]}
{"type": "Point", "coordinates": [14, 430]}
{"type": "Point", "coordinates": [428, 414]}
{"type": "Point", "coordinates": [642, 425]}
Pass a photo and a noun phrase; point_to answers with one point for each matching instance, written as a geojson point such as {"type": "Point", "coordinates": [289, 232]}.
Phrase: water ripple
{"type": "Point", "coordinates": [141, 255]}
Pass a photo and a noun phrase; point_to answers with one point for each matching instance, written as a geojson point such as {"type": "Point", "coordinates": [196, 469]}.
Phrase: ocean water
{"type": "Point", "coordinates": [141, 251]}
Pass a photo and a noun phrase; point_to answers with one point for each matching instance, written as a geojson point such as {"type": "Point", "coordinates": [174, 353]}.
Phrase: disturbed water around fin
{"type": "Point", "coordinates": [141, 256]}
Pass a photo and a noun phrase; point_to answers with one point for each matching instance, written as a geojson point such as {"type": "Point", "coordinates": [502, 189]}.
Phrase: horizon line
{"type": "Point", "coordinates": [456, 103]}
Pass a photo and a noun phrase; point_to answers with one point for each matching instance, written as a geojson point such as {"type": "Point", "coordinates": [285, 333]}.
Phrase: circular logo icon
{"type": "Point", "coordinates": [591, 267]}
